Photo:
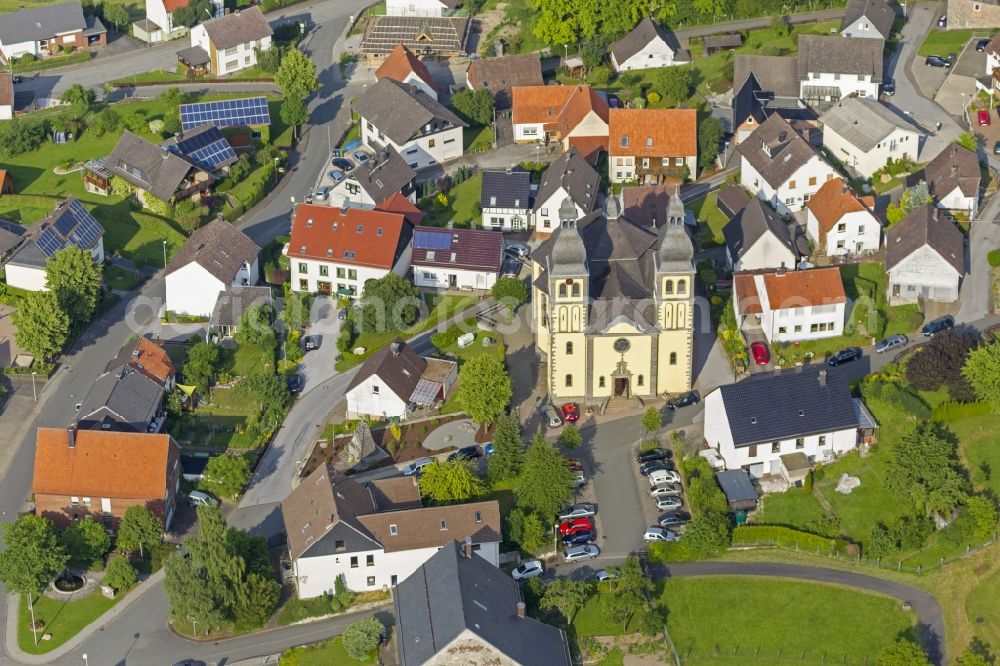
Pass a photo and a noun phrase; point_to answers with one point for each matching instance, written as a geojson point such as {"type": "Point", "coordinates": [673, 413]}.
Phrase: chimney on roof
{"type": "Point", "coordinates": [822, 377]}
{"type": "Point", "coordinates": [782, 135]}
{"type": "Point", "coordinates": [71, 437]}
{"type": "Point", "coordinates": [780, 272]}
{"type": "Point", "coordinates": [520, 610]}
{"type": "Point", "coordinates": [395, 348]}
{"type": "Point", "coordinates": [467, 547]}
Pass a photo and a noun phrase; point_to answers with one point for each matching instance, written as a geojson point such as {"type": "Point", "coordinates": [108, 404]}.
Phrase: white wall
{"type": "Point", "coordinates": [624, 168]}
{"type": "Point", "coordinates": [436, 277]}
{"type": "Point", "coordinates": [848, 84]}
{"type": "Point", "coordinates": [957, 201]}
{"type": "Point", "coordinates": [420, 83]}
{"type": "Point", "coordinates": [426, 150]}
{"type": "Point", "coordinates": [529, 132]}
{"type": "Point", "coordinates": [924, 273]}
{"type": "Point", "coordinates": [546, 213]}
{"type": "Point", "coordinates": [503, 218]}
{"type": "Point", "coordinates": [862, 28]}
{"type": "Point", "coordinates": [861, 232]}
{"type": "Point", "coordinates": [26, 277]}
{"type": "Point", "coordinates": [232, 60]}
{"type": "Point", "coordinates": [796, 324]}
{"type": "Point", "coordinates": [785, 198]}
{"type": "Point", "coordinates": [899, 144]}
{"type": "Point", "coordinates": [6, 111]}
{"type": "Point", "coordinates": [413, 8]}
{"type": "Point", "coordinates": [364, 400]}
{"type": "Point", "coordinates": [767, 252]}
{"type": "Point", "coordinates": [654, 54]}
{"type": "Point", "coordinates": [767, 461]}
{"type": "Point", "coordinates": [192, 290]}
{"type": "Point", "coordinates": [361, 273]}
{"type": "Point", "coordinates": [19, 49]}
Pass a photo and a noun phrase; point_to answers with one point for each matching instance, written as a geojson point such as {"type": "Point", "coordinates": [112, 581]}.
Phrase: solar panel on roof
{"type": "Point", "coordinates": [214, 154]}
{"type": "Point", "coordinates": [192, 143]}
{"type": "Point", "coordinates": [429, 240]}
{"type": "Point", "coordinates": [425, 392]}
{"type": "Point", "coordinates": [75, 226]}
{"type": "Point", "coordinates": [244, 112]}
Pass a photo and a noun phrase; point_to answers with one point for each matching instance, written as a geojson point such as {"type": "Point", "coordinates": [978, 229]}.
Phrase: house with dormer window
{"type": "Point", "coordinates": [505, 199]}
{"type": "Point", "coordinates": [649, 146]}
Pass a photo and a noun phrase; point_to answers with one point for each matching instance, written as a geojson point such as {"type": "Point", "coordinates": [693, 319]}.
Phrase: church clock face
{"type": "Point", "coordinates": [622, 345]}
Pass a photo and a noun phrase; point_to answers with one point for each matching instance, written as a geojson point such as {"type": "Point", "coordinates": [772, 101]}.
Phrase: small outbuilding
{"type": "Point", "coordinates": [736, 484]}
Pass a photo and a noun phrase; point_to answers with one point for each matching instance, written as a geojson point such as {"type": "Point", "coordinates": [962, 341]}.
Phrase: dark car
{"type": "Point", "coordinates": [310, 342]}
{"type": "Point", "coordinates": [996, 148]}
{"type": "Point", "coordinates": [655, 466]}
{"type": "Point", "coordinates": [342, 314]}
{"type": "Point", "coordinates": [579, 538]}
{"type": "Point", "coordinates": [889, 87]}
{"type": "Point", "coordinates": [614, 102]}
{"type": "Point", "coordinates": [982, 44]}
{"type": "Point", "coordinates": [466, 453]}
{"type": "Point", "coordinates": [936, 61]}
{"type": "Point", "coordinates": [16, 79]}
{"type": "Point", "coordinates": [346, 166]}
{"type": "Point", "coordinates": [653, 454]}
{"type": "Point", "coordinates": [674, 519]}
{"type": "Point", "coordinates": [690, 398]}
{"type": "Point", "coordinates": [938, 325]}
{"type": "Point", "coordinates": [295, 384]}
{"type": "Point", "coordinates": [845, 356]}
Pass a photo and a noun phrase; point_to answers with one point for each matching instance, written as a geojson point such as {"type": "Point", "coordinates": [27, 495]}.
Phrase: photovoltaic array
{"type": "Point", "coordinates": [245, 112]}
{"type": "Point", "coordinates": [74, 226]}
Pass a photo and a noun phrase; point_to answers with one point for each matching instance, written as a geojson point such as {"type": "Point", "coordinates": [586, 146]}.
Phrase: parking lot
{"type": "Point", "coordinates": [960, 85]}
{"type": "Point", "coordinates": [342, 162]}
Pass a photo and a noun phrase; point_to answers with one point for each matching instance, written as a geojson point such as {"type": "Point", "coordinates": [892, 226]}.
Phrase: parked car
{"type": "Point", "coordinates": [579, 538]}
{"type": "Point", "coordinates": [518, 250]}
{"type": "Point", "coordinates": [890, 342]}
{"type": "Point", "coordinates": [982, 44]}
{"type": "Point", "coordinates": [689, 398]}
{"type": "Point", "coordinates": [664, 476]}
{"type": "Point", "coordinates": [666, 490]}
{"type": "Point", "coordinates": [511, 267]}
{"type": "Point", "coordinates": [551, 417]}
{"type": "Point", "coordinates": [579, 480]}
{"type": "Point", "coordinates": [295, 383]}
{"type": "Point", "coordinates": [574, 465]}
{"type": "Point", "coordinates": [347, 166]}
{"type": "Point", "coordinates": [575, 525]}
{"type": "Point", "coordinates": [936, 61]}
{"type": "Point", "coordinates": [889, 87]}
{"type": "Point", "coordinates": [845, 356]}
{"type": "Point", "coordinates": [613, 101]}
{"type": "Point", "coordinates": [466, 453]}
{"type": "Point", "coordinates": [16, 79]}
{"type": "Point", "coordinates": [570, 413]}
{"type": "Point", "coordinates": [604, 575]}
{"type": "Point", "coordinates": [653, 454]}
{"type": "Point", "coordinates": [488, 449]}
{"type": "Point", "coordinates": [943, 21]}
{"type": "Point", "coordinates": [342, 314]}
{"type": "Point", "coordinates": [984, 118]}
{"type": "Point", "coordinates": [360, 156]}
{"type": "Point", "coordinates": [527, 569]}
{"type": "Point", "coordinates": [658, 534]}
{"type": "Point", "coordinates": [759, 352]}
{"type": "Point", "coordinates": [337, 176]}
{"type": "Point", "coordinates": [321, 194]}
{"type": "Point", "coordinates": [675, 519]}
{"type": "Point", "coordinates": [581, 553]}
{"type": "Point", "coordinates": [938, 325]}
{"type": "Point", "coordinates": [996, 148]}
{"type": "Point", "coordinates": [311, 342]}
{"type": "Point", "coordinates": [577, 511]}
{"type": "Point", "coordinates": [197, 498]}
{"type": "Point", "coordinates": [669, 503]}
{"type": "Point", "coordinates": [417, 466]}
{"type": "Point", "coordinates": [654, 466]}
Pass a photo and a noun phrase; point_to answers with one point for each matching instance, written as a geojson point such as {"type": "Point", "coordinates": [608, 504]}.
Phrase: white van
{"type": "Point", "coordinates": [197, 498]}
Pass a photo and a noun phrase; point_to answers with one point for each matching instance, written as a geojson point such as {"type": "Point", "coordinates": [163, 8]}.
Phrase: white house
{"type": "Point", "coordinates": [394, 380]}
{"type": "Point", "coordinates": [791, 306]}
{"type": "Point", "coordinates": [832, 68]}
{"type": "Point", "coordinates": [215, 257]}
{"type": "Point", "coordinates": [41, 31]}
{"type": "Point", "coordinates": [68, 225]}
{"type": "Point", "coordinates": [575, 116]}
{"type": "Point", "coordinates": [650, 146]}
{"type": "Point", "coordinates": [992, 57]}
{"type": "Point", "coordinates": [421, 7]}
{"type": "Point", "coordinates": [404, 117]}
{"type": "Point", "coordinates": [456, 258]}
{"type": "Point", "coordinates": [757, 238]}
{"type": "Point", "coordinates": [571, 177]}
{"type": "Point", "coordinates": [505, 199]}
{"type": "Point", "coordinates": [864, 135]}
{"type": "Point", "coordinates": [160, 25]}
{"type": "Point", "coordinates": [839, 222]}
{"type": "Point", "coordinates": [781, 167]}
{"type": "Point", "coordinates": [755, 423]}
{"type": "Point", "coordinates": [646, 47]}
{"type": "Point", "coordinates": [336, 250]}
{"type": "Point", "coordinates": [871, 19]}
{"type": "Point", "coordinates": [953, 179]}
{"type": "Point", "coordinates": [375, 534]}
{"type": "Point", "coordinates": [401, 65]}
{"type": "Point", "coordinates": [371, 183]}
{"type": "Point", "coordinates": [231, 41]}
{"type": "Point", "coordinates": [924, 258]}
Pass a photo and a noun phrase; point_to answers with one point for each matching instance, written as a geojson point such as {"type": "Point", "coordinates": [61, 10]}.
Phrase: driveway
{"type": "Point", "coordinates": [317, 366]}
{"type": "Point", "coordinates": [960, 86]}
{"type": "Point", "coordinates": [976, 294]}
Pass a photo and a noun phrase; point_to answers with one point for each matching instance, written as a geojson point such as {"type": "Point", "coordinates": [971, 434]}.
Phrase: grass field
{"type": "Point", "coordinates": [794, 508]}
{"type": "Point", "coordinates": [711, 220]}
{"type": "Point", "coordinates": [323, 654]}
{"type": "Point", "coordinates": [63, 619]}
{"type": "Point", "coordinates": [463, 205]}
{"type": "Point", "coordinates": [942, 42]}
{"type": "Point", "coordinates": [590, 620]}
{"type": "Point", "coordinates": [980, 447]}
{"type": "Point", "coordinates": [982, 608]}
{"type": "Point", "coordinates": [762, 621]}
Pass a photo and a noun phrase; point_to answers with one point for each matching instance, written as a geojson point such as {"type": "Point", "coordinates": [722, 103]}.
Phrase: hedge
{"type": "Point", "coordinates": [786, 537]}
{"type": "Point", "coordinates": [42, 369]}
{"type": "Point", "coordinates": [993, 256]}
{"type": "Point", "coordinates": [954, 411]}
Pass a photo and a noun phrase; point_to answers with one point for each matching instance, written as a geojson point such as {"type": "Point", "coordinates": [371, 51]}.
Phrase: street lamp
{"type": "Point", "coordinates": [34, 393]}
{"type": "Point", "coordinates": [164, 255]}
{"type": "Point", "coordinates": [565, 53]}
{"type": "Point", "coordinates": [85, 660]}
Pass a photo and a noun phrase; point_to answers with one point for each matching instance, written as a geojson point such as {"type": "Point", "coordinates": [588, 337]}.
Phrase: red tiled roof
{"type": "Point", "coordinates": [330, 233]}
{"type": "Point", "coordinates": [560, 108]}
{"type": "Point", "coordinates": [832, 201]}
{"type": "Point", "coordinates": [474, 249]}
{"type": "Point", "coordinates": [173, 5]}
{"type": "Point", "coordinates": [589, 146]}
{"type": "Point", "coordinates": [397, 203]}
{"type": "Point", "coordinates": [102, 464]}
{"type": "Point", "coordinates": [400, 63]}
{"type": "Point", "coordinates": [653, 132]}
{"type": "Point", "coordinates": [789, 289]}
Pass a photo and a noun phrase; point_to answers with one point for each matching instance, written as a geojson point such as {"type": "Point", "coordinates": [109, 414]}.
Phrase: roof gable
{"type": "Point", "coordinates": [401, 63]}
{"type": "Point", "coordinates": [505, 189]}
{"type": "Point", "coordinates": [840, 55]}
{"type": "Point", "coordinates": [219, 248]}
{"type": "Point", "coordinates": [756, 220]}
{"type": "Point", "coordinates": [646, 32]}
{"type": "Point", "coordinates": [396, 364]}
{"type": "Point", "coordinates": [776, 151]}
{"type": "Point", "coordinates": [147, 166]}
{"type": "Point", "coordinates": [572, 173]}
{"type": "Point", "coordinates": [239, 27]}
{"type": "Point", "coordinates": [863, 122]}
{"type": "Point", "coordinates": [832, 201]}
{"type": "Point", "coordinates": [348, 235]}
{"type": "Point", "coordinates": [402, 110]}
{"type": "Point", "coordinates": [954, 167]}
{"type": "Point", "coordinates": [473, 249]}
{"type": "Point", "coordinates": [147, 357]}
{"type": "Point", "coordinates": [879, 13]}
{"type": "Point", "coordinates": [925, 227]}
{"type": "Point", "coordinates": [653, 132]}
{"type": "Point", "coordinates": [559, 108]}
{"type": "Point", "coordinates": [41, 23]}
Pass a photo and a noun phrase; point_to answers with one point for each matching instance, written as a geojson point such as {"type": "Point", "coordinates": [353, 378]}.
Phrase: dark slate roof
{"type": "Point", "coordinates": [500, 74]}
{"type": "Point", "coordinates": [472, 249]}
{"type": "Point", "coordinates": [506, 189]}
{"type": "Point", "coordinates": [750, 224]}
{"type": "Point", "coordinates": [11, 234]}
{"type": "Point", "coordinates": [954, 167]}
{"type": "Point", "coordinates": [925, 226]}
{"type": "Point", "coordinates": [384, 175]}
{"type": "Point", "coordinates": [239, 27]}
{"type": "Point", "coordinates": [234, 301]}
{"type": "Point", "coordinates": [799, 402]}
{"type": "Point", "coordinates": [574, 173]}
{"type": "Point", "coordinates": [147, 166]}
{"type": "Point", "coordinates": [736, 484]}
{"type": "Point", "coordinates": [732, 199]}
{"type": "Point", "coordinates": [450, 594]}
{"type": "Point", "coordinates": [124, 398]}
{"type": "Point", "coordinates": [788, 150]}
{"type": "Point", "coordinates": [840, 55]}
{"type": "Point", "coordinates": [776, 74]}
{"type": "Point", "coordinates": [878, 12]}
{"type": "Point", "coordinates": [40, 23]}
{"type": "Point", "coordinates": [62, 227]}
{"type": "Point", "coordinates": [396, 364]}
{"type": "Point", "coordinates": [194, 56]}
{"type": "Point", "coordinates": [401, 110]}
{"type": "Point", "coordinates": [219, 248]}
{"type": "Point", "coordinates": [747, 101]}
{"type": "Point", "coordinates": [641, 35]}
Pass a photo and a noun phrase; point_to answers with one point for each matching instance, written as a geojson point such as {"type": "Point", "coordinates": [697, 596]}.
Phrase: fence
{"type": "Point", "coordinates": [739, 654]}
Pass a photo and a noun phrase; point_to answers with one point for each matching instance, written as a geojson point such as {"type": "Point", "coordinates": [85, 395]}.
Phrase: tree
{"type": "Point", "coordinates": [263, 596]}
{"type": "Point", "coordinates": [902, 653]}
{"type": "Point", "coordinates": [139, 529]}
{"type": "Point", "coordinates": [296, 76]}
{"type": "Point", "coordinates": [508, 449]}
{"type": "Point", "coordinates": [593, 52]}
{"type": "Point", "coordinates": [85, 541]}
{"type": "Point", "coordinates": [484, 388]}
{"type": "Point", "coordinates": [200, 365]}
{"type": "Point", "coordinates": [972, 658]}
{"type": "Point", "coordinates": [222, 570]}
{"type": "Point", "coordinates": [120, 574]}
{"type": "Point", "coordinates": [270, 60]}
{"type": "Point", "coordinates": [675, 83]}
{"type": "Point", "coordinates": [254, 327]}
{"type": "Point", "coordinates": [982, 371]}
{"type": "Point", "coordinates": [912, 199]}
{"type": "Point", "coordinates": [389, 302]}
{"type": "Point", "coordinates": [18, 135]}
{"type": "Point", "coordinates": [924, 469]}
{"type": "Point", "coordinates": [968, 141]}
{"type": "Point", "coordinates": [117, 15]}
{"type": "Point", "coordinates": [78, 96]}
{"type": "Point", "coordinates": [565, 595]}
{"type": "Point", "coordinates": [75, 278]}
{"type": "Point", "coordinates": [984, 515]}
{"type": "Point", "coordinates": [651, 420]}
{"type": "Point", "coordinates": [546, 482]}
{"type": "Point", "coordinates": [475, 106]}
{"type": "Point", "coordinates": [708, 534]}
{"type": "Point", "coordinates": [227, 475]}
{"type": "Point", "coordinates": [570, 437]}
{"type": "Point", "coordinates": [107, 121]}
{"type": "Point", "coordinates": [271, 395]}
{"type": "Point", "coordinates": [32, 554]}
{"type": "Point", "coordinates": [710, 135]}
{"type": "Point", "coordinates": [294, 113]}
{"type": "Point", "coordinates": [880, 542]}
{"type": "Point", "coordinates": [510, 291]}
{"type": "Point", "coordinates": [628, 590]}
{"type": "Point", "coordinates": [526, 530]}
{"type": "Point", "coordinates": [450, 482]}
{"type": "Point", "coordinates": [363, 637]}
{"type": "Point", "coordinates": [188, 598]}
{"type": "Point", "coordinates": [42, 326]}
{"type": "Point", "coordinates": [941, 362]}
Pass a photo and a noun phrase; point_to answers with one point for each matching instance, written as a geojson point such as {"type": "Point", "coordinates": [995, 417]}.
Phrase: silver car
{"type": "Point", "coordinates": [577, 511]}
{"type": "Point", "coordinates": [891, 342]}
{"type": "Point", "coordinates": [666, 490]}
{"type": "Point", "coordinates": [552, 416]}
{"type": "Point", "coordinates": [576, 553]}
{"type": "Point", "coordinates": [669, 503]}
{"type": "Point", "coordinates": [528, 569]}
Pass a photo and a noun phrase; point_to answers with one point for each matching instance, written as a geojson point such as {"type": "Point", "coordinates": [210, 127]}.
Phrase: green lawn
{"type": "Point", "coordinates": [722, 620]}
{"type": "Point", "coordinates": [942, 42]}
{"type": "Point", "coordinates": [119, 278]}
{"type": "Point", "coordinates": [477, 139]}
{"type": "Point", "coordinates": [590, 620]}
{"type": "Point", "coordinates": [63, 620]}
{"type": "Point", "coordinates": [982, 603]}
{"type": "Point", "coordinates": [323, 654]}
{"type": "Point", "coordinates": [861, 283]}
{"type": "Point", "coordinates": [711, 220]}
{"type": "Point", "coordinates": [980, 447]}
{"type": "Point", "coordinates": [463, 205]}
{"type": "Point", "coordinates": [793, 508]}
{"type": "Point", "coordinates": [245, 360]}
{"type": "Point", "coordinates": [353, 134]}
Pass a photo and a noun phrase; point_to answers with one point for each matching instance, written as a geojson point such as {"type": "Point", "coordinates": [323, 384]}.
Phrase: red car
{"type": "Point", "coordinates": [574, 465]}
{"type": "Point", "coordinates": [760, 354]}
{"type": "Point", "coordinates": [984, 117]}
{"type": "Point", "coordinates": [569, 413]}
{"type": "Point", "coordinates": [576, 525]}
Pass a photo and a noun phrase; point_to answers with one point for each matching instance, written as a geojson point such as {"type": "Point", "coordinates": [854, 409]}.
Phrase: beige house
{"type": "Point", "coordinates": [613, 305]}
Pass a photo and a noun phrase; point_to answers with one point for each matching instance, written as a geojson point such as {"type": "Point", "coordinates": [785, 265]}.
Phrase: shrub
{"type": "Point", "coordinates": [653, 97]}
{"type": "Point", "coordinates": [994, 258]}
{"type": "Point", "coordinates": [786, 537]}
{"type": "Point", "coordinates": [446, 338]}
{"type": "Point", "coordinates": [954, 411]}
